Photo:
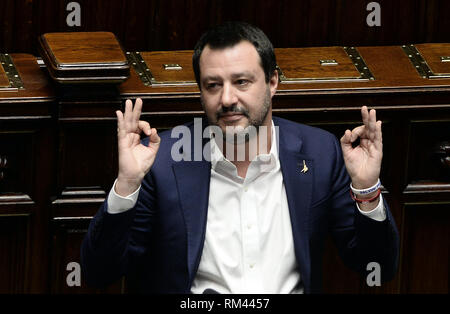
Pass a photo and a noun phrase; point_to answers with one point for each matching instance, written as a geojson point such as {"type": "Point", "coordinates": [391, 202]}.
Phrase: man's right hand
{"type": "Point", "coordinates": [135, 159]}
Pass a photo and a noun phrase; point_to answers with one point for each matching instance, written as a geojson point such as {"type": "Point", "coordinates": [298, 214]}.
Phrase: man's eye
{"type": "Point", "coordinates": [242, 82]}
{"type": "Point", "coordinates": [212, 85]}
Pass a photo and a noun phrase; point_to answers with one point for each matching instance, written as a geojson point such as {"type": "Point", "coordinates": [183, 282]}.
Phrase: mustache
{"type": "Point", "coordinates": [233, 109]}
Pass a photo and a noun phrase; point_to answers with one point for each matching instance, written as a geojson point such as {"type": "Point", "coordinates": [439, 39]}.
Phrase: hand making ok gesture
{"type": "Point", "coordinates": [135, 159]}
{"type": "Point", "coordinates": [363, 162]}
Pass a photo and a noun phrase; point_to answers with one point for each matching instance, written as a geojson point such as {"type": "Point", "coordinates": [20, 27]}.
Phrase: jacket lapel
{"type": "Point", "coordinates": [298, 183]}
{"type": "Point", "coordinates": [192, 179]}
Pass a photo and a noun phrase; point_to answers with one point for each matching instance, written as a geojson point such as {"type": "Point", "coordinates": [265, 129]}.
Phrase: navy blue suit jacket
{"type": "Point", "coordinates": [163, 235]}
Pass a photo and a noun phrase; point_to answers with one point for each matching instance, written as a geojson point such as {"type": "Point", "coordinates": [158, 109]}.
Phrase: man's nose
{"type": "Point", "coordinates": [229, 97]}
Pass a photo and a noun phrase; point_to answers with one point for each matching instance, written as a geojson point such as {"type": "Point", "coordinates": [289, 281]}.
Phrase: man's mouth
{"type": "Point", "coordinates": [231, 116]}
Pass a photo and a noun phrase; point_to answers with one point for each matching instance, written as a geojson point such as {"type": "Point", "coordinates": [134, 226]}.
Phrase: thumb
{"type": "Point", "coordinates": [346, 141]}
{"type": "Point", "coordinates": [154, 137]}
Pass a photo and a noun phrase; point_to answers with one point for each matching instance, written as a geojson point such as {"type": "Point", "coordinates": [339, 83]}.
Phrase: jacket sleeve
{"type": "Point", "coordinates": [360, 240]}
{"type": "Point", "coordinates": [113, 241]}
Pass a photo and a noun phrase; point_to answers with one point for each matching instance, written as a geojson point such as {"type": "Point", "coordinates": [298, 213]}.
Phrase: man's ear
{"type": "Point", "coordinates": [273, 83]}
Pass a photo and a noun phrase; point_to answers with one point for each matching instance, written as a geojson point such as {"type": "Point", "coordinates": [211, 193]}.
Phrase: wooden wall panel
{"type": "Point", "coordinates": [25, 195]}
{"type": "Point", "coordinates": [14, 253]}
{"type": "Point", "coordinates": [176, 25]}
{"type": "Point", "coordinates": [17, 171]}
{"type": "Point", "coordinates": [425, 256]}
{"type": "Point", "coordinates": [84, 147]}
{"type": "Point", "coordinates": [16, 25]}
{"type": "Point", "coordinates": [425, 164]}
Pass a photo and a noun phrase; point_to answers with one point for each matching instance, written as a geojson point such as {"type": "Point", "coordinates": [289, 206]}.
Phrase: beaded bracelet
{"type": "Point", "coordinates": [368, 190]}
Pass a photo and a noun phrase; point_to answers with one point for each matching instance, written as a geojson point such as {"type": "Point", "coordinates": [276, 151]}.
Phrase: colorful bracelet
{"type": "Point", "coordinates": [369, 200]}
{"type": "Point", "coordinates": [368, 190]}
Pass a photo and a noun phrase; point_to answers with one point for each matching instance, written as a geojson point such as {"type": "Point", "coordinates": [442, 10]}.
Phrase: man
{"type": "Point", "coordinates": [255, 224]}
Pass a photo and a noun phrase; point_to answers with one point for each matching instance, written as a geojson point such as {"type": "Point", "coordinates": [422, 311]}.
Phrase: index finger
{"type": "Point", "coordinates": [137, 110]}
{"type": "Point", "coordinates": [365, 116]}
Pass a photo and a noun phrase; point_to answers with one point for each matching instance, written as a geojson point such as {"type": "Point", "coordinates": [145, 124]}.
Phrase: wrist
{"type": "Point", "coordinates": [126, 187]}
{"type": "Point", "coordinates": [367, 198]}
{"type": "Point", "coordinates": [367, 205]}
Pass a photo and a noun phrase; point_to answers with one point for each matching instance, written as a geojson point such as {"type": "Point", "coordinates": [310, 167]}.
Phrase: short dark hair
{"type": "Point", "coordinates": [230, 34]}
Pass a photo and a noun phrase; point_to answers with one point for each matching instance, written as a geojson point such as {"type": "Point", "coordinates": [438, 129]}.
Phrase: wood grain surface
{"type": "Point", "coordinates": [391, 67]}
{"type": "Point", "coordinates": [155, 61]}
{"type": "Point", "coordinates": [79, 48]}
{"type": "Point", "coordinates": [433, 53]}
{"type": "Point", "coordinates": [37, 84]}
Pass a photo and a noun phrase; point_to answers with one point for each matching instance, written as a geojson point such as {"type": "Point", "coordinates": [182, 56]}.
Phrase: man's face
{"type": "Point", "coordinates": [234, 92]}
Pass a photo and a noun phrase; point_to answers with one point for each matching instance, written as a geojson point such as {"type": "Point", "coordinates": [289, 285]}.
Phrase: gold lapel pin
{"type": "Point", "coordinates": [305, 168]}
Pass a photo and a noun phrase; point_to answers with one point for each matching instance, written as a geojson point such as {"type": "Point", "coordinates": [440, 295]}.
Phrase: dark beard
{"type": "Point", "coordinates": [256, 122]}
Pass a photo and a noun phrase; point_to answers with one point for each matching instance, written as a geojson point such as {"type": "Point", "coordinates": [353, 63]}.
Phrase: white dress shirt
{"type": "Point", "coordinates": [249, 244]}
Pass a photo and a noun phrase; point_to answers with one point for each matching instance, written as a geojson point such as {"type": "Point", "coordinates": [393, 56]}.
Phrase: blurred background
{"type": "Point", "coordinates": [177, 24]}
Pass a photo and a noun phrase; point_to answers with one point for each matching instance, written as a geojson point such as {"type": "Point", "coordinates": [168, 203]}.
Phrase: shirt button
{"type": "Point", "coordinates": [252, 265]}
{"type": "Point", "coordinates": [246, 189]}
{"type": "Point", "coordinates": [249, 227]}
